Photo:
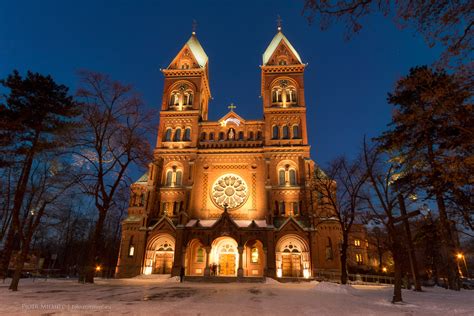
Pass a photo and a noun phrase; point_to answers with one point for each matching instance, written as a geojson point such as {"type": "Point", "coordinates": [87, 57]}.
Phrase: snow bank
{"type": "Point", "coordinates": [328, 287]}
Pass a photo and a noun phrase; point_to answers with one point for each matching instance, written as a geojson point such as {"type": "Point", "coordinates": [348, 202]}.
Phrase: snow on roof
{"type": "Point", "coordinates": [197, 50]}
{"type": "Point", "coordinates": [274, 44]}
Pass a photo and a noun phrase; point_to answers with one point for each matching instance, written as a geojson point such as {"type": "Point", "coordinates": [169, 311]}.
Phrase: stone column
{"type": "Point", "coordinates": [207, 269]}
{"type": "Point", "coordinates": [240, 271]}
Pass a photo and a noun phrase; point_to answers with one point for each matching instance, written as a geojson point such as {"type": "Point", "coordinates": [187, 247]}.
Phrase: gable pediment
{"type": "Point", "coordinates": [291, 225]}
{"type": "Point", "coordinates": [230, 119]}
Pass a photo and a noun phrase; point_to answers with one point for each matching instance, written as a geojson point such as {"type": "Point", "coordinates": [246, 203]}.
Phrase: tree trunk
{"type": "Point", "coordinates": [91, 258]}
{"type": "Point", "coordinates": [397, 259]}
{"type": "Point", "coordinates": [17, 204]}
{"type": "Point", "coordinates": [344, 247]}
{"type": "Point", "coordinates": [448, 247]}
{"type": "Point", "coordinates": [19, 265]}
{"type": "Point", "coordinates": [7, 253]}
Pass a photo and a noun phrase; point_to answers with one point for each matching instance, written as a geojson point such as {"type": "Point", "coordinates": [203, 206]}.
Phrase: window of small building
{"type": "Point", "coordinates": [329, 250]}
{"type": "Point", "coordinates": [357, 242]}
{"type": "Point", "coordinates": [358, 258]}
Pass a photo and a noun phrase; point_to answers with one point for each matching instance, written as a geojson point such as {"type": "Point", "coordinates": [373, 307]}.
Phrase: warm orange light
{"type": "Point", "coordinates": [460, 255]}
{"type": "Point", "coordinates": [384, 269]}
{"type": "Point", "coordinates": [98, 268]}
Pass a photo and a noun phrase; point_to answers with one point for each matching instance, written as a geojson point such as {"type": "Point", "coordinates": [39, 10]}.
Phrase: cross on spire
{"type": "Point", "coordinates": [279, 22]}
{"type": "Point", "coordinates": [232, 107]}
{"type": "Point", "coordinates": [194, 27]}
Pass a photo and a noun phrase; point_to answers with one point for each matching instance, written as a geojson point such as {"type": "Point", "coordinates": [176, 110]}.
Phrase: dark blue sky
{"type": "Point", "coordinates": [346, 82]}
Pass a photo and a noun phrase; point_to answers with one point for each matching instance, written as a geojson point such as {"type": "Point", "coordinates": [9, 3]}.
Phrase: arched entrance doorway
{"type": "Point", "coordinates": [254, 258]}
{"type": "Point", "coordinates": [292, 257]}
{"type": "Point", "coordinates": [224, 257]}
{"type": "Point", "coordinates": [195, 261]}
{"type": "Point", "coordinates": [160, 255]}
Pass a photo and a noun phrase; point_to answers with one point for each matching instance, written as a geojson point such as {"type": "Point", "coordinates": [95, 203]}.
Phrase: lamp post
{"type": "Point", "coordinates": [460, 256]}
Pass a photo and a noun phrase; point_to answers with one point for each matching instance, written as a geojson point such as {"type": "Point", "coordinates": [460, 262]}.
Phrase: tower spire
{"type": "Point", "coordinates": [194, 27]}
{"type": "Point", "coordinates": [279, 23]}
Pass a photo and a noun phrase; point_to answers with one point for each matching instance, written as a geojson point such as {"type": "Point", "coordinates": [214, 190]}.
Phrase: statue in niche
{"type": "Point", "coordinates": [231, 134]}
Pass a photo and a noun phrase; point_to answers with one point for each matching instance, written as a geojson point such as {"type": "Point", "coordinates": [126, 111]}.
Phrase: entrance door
{"type": "Point", "coordinates": [163, 262]}
{"type": "Point", "coordinates": [291, 265]}
{"type": "Point", "coordinates": [227, 264]}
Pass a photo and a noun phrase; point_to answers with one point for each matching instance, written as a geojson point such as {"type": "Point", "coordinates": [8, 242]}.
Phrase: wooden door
{"type": "Point", "coordinates": [291, 265]}
{"type": "Point", "coordinates": [227, 264]}
{"type": "Point", "coordinates": [163, 263]}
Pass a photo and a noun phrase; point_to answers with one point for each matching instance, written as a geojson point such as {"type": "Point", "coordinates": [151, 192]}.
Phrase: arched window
{"type": "Point", "coordinates": [259, 135]}
{"type": "Point", "coordinates": [188, 98]}
{"type": "Point", "coordinates": [231, 134]}
{"type": "Point", "coordinates": [211, 136]}
{"type": "Point", "coordinates": [142, 199]}
{"type": "Point", "coordinates": [295, 208]}
{"type": "Point", "coordinates": [179, 177]}
{"type": "Point", "coordinates": [167, 137]}
{"type": "Point", "coordinates": [187, 134]}
{"type": "Point", "coordinates": [296, 131]}
{"type": "Point", "coordinates": [169, 178]}
{"type": "Point", "coordinates": [203, 136]}
{"type": "Point", "coordinates": [200, 255]}
{"type": "Point", "coordinates": [275, 132]}
{"type": "Point", "coordinates": [292, 177]}
{"type": "Point", "coordinates": [177, 135]}
{"type": "Point", "coordinates": [282, 62]}
{"type": "Point", "coordinates": [241, 135]}
{"type": "Point", "coordinates": [254, 255]}
{"type": "Point", "coordinates": [276, 95]}
{"type": "Point", "coordinates": [185, 66]}
{"type": "Point", "coordinates": [291, 95]}
{"type": "Point", "coordinates": [282, 208]}
{"type": "Point", "coordinates": [174, 98]}
{"type": "Point", "coordinates": [221, 135]}
{"type": "Point", "coordinates": [281, 177]}
{"type": "Point", "coordinates": [286, 132]}
{"type": "Point", "coordinates": [250, 136]}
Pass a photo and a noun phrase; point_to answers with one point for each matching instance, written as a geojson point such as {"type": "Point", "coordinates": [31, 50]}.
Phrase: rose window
{"type": "Point", "coordinates": [229, 189]}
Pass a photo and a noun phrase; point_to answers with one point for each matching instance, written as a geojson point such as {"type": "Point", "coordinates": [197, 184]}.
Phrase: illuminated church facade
{"type": "Point", "coordinates": [230, 197]}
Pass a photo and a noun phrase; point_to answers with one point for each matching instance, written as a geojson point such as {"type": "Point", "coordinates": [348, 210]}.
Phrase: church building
{"type": "Point", "coordinates": [232, 197]}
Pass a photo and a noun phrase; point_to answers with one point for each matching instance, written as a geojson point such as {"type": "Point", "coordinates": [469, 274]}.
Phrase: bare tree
{"type": "Point", "coordinates": [114, 139]}
{"type": "Point", "coordinates": [382, 201]}
{"type": "Point", "coordinates": [338, 192]}
{"type": "Point", "coordinates": [49, 186]}
{"type": "Point", "coordinates": [449, 23]}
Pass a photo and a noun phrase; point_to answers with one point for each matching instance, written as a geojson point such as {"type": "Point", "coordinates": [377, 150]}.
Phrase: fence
{"type": "Point", "coordinates": [355, 278]}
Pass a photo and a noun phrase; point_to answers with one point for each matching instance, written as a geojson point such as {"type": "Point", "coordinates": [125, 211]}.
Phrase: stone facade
{"type": "Point", "coordinates": [230, 197]}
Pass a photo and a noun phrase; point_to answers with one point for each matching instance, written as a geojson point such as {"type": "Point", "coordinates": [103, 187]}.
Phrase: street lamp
{"type": "Point", "coordinates": [460, 256]}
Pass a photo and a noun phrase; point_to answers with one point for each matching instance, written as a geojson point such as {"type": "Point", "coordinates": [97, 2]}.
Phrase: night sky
{"type": "Point", "coordinates": [346, 82]}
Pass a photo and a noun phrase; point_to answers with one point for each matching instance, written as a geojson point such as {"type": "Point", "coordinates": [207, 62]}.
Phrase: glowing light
{"type": "Point", "coordinates": [306, 273]}
{"type": "Point", "coordinates": [460, 255]}
{"type": "Point", "coordinates": [384, 269]}
{"type": "Point", "coordinates": [98, 268]}
{"type": "Point", "coordinates": [147, 271]}
{"type": "Point", "coordinates": [279, 273]}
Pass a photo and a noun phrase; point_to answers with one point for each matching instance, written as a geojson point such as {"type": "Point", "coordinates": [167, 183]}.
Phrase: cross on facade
{"type": "Point", "coordinates": [279, 22]}
{"type": "Point", "coordinates": [194, 26]}
{"type": "Point", "coordinates": [232, 107]}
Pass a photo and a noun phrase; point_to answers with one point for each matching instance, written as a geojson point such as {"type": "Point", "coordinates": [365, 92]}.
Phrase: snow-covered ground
{"type": "Point", "coordinates": [166, 296]}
